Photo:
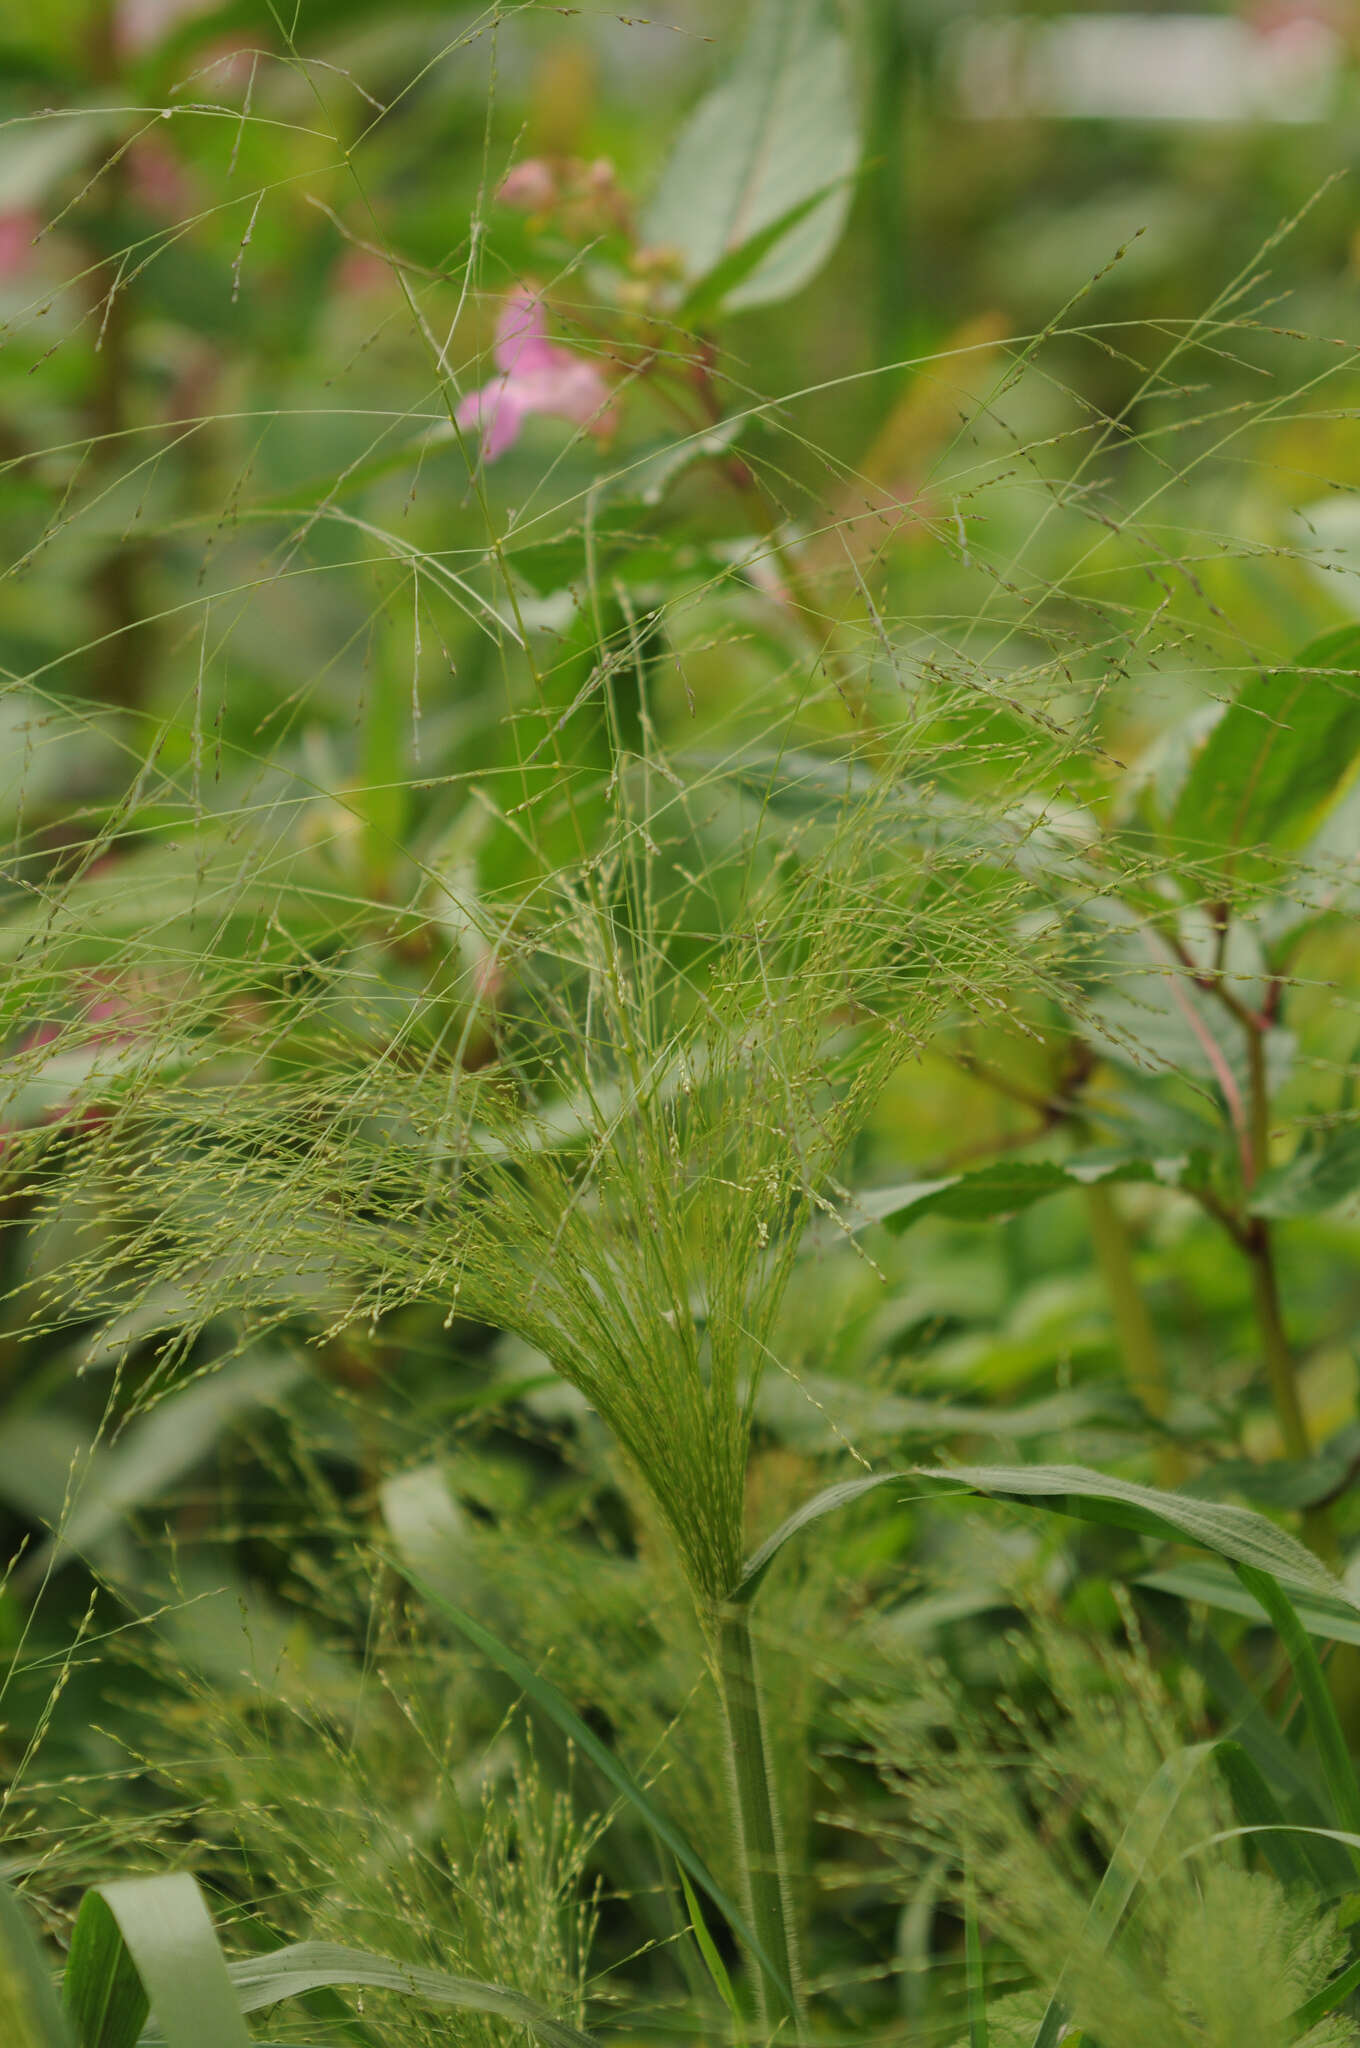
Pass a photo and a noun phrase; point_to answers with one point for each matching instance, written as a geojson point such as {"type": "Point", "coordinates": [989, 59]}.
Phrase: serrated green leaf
{"type": "Point", "coordinates": [780, 129]}
{"type": "Point", "coordinates": [1316, 1179]}
{"type": "Point", "coordinates": [1004, 1188]}
{"type": "Point", "coordinates": [1139, 1005]}
{"type": "Point", "coordinates": [1283, 746]}
{"type": "Point", "coordinates": [725, 279]}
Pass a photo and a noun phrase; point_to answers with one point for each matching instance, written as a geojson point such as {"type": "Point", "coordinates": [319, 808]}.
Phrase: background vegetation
{"type": "Point", "coordinates": [678, 1138]}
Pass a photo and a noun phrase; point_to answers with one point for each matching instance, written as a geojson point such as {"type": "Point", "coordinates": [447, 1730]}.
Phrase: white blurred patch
{"type": "Point", "coordinates": [1145, 67]}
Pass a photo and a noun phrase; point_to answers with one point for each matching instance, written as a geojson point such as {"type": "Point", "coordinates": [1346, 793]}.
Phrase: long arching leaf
{"type": "Point", "coordinates": [1238, 1534]}
{"type": "Point", "coordinates": [304, 1966]}
{"type": "Point", "coordinates": [167, 1930]}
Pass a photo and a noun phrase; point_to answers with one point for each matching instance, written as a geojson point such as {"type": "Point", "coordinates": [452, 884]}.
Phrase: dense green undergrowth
{"type": "Point", "coordinates": [677, 1128]}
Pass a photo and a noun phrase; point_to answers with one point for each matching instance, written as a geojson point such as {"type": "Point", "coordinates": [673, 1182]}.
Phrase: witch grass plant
{"type": "Point", "coordinates": [640, 1233]}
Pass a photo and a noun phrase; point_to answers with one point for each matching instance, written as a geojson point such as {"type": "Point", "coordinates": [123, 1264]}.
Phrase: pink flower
{"type": "Point", "coordinates": [531, 187]}
{"type": "Point", "coordinates": [157, 179]}
{"type": "Point", "coordinates": [17, 230]}
{"type": "Point", "coordinates": [360, 272]}
{"type": "Point", "coordinates": [536, 376]}
{"type": "Point", "coordinates": [140, 24]}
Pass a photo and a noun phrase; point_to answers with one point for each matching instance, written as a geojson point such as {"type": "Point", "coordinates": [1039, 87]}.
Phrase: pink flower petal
{"type": "Point", "coordinates": [17, 230]}
{"type": "Point", "coordinates": [566, 387]}
{"type": "Point", "coordinates": [497, 410]}
{"type": "Point", "coordinates": [522, 333]}
{"type": "Point", "coordinates": [531, 187]}
{"type": "Point", "coordinates": [537, 375]}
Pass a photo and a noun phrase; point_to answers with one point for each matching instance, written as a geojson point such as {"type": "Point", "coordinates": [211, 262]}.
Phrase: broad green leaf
{"type": "Point", "coordinates": [1337, 1766]}
{"type": "Point", "coordinates": [101, 1987]}
{"type": "Point", "coordinates": [1002, 1189]}
{"type": "Point", "coordinates": [1235, 1533]}
{"type": "Point", "coordinates": [169, 1935]}
{"type": "Point", "coordinates": [1138, 1004]}
{"type": "Point", "coordinates": [1332, 1620]}
{"type": "Point", "coordinates": [725, 279]}
{"type": "Point", "coordinates": [651, 472]}
{"type": "Point", "coordinates": [29, 2011]}
{"type": "Point", "coordinates": [1317, 1178]}
{"type": "Point", "coordinates": [304, 1966]}
{"type": "Point", "coordinates": [780, 129]}
{"type": "Point", "coordinates": [1283, 746]}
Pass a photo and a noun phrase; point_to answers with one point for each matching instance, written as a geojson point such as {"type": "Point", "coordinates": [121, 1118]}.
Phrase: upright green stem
{"type": "Point", "coordinates": [114, 581]}
{"type": "Point", "coordinates": [1257, 1242]}
{"type": "Point", "coordinates": [1138, 1343]}
{"type": "Point", "coordinates": [761, 1872]}
{"type": "Point", "coordinates": [1284, 1390]}
{"type": "Point", "coordinates": [895, 72]}
{"type": "Point", "coordinates": [1260, 1251]}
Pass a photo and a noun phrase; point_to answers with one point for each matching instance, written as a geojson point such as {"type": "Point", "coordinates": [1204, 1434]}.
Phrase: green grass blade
{"type": "Point", "coordinates": [717, 1968]}
{"type": "Point", "coordinates": [169, 1934]}
{"type": "Point", "coordinates": [1337, 1767]}
{"type": "Point", "coordinates": [978, 2034]}
{"type": "Point", "coordinates": [546, 1697]}
{"type": "Point", "coordinates": [102, 1989]}
{"type": "Point", "coordinates": [1256, 1806]}
{"type": "Point", "coordinates": [1327, 2000]}
{"type": "Point", "coordinates": [1335, 1621]}
{"type": "Point", "coordinates": [259, 1981]}
{"type": "Point", "coordinates": [1250, 1724]}
{"type": "Point", "coordinates": [824, 1503]}
{"type": "Point", "coordinates": [29, 2009]}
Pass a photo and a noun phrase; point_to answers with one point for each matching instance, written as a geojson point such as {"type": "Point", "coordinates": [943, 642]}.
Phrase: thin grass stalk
{"type": "Point", "coordinates": [759, 1841]}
